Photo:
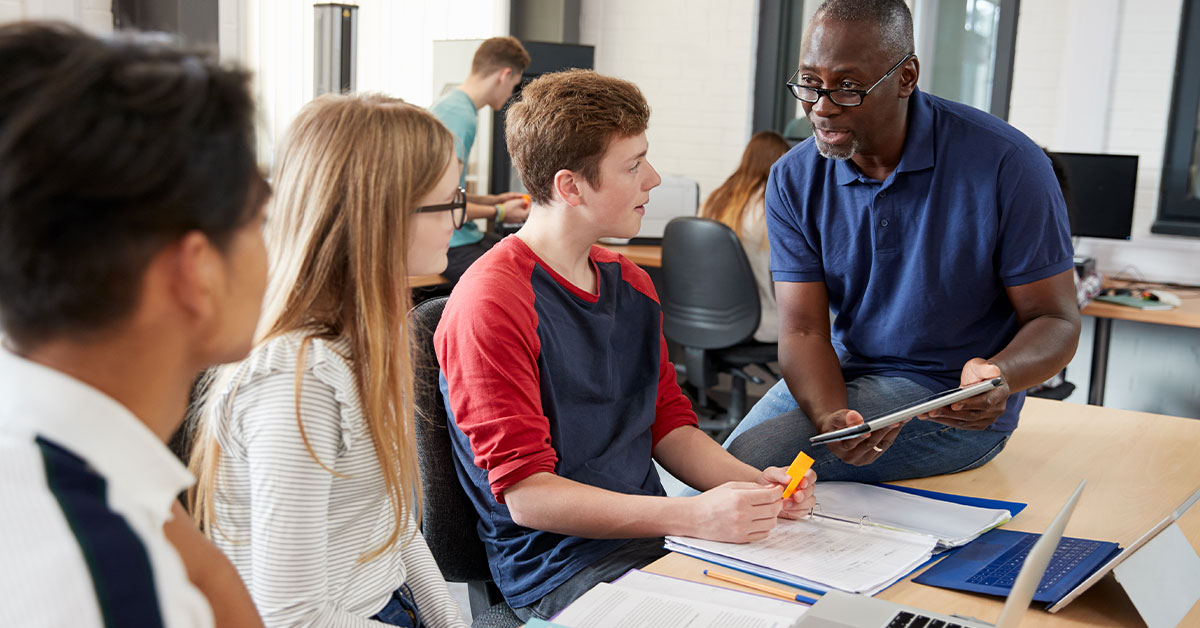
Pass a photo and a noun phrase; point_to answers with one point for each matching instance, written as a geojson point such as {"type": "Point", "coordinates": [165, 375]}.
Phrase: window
{"type": "Point", "coordinates": [965, 48]}
{"type": "Point", "coordinates": [1179, 208]}
{"type": "Point", "coordinates": [395, 50]}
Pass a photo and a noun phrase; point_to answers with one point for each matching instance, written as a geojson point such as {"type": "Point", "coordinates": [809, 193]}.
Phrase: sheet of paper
{"type": "Point", "coordinates": [853, 558]}
{"type": "Point", "coordinates": [710, 594]}
{"type": "Point", "coordinates": [953, 524]}
{"type": "Point", "coordinates": [610, 606]}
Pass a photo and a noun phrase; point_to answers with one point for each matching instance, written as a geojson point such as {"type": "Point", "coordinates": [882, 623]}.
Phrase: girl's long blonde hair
{"type": "Point", "coordinates": [347, 177]}
{"type": "Point", "coordinates": [729, 202]}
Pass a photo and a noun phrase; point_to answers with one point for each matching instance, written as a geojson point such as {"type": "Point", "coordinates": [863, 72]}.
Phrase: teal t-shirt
{"type": "Point", "coordinates": [457, 112]}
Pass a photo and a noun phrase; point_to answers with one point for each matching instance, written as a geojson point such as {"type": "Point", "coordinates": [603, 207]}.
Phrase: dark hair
{"type": "Point", "coordinates": [565, 120]}
{"type": "Point", "coordinates": [892, 17]}
{"type": "Point", "coordinates": [109, 150]}
{"type": "Point", "coordinates": [498, 53]}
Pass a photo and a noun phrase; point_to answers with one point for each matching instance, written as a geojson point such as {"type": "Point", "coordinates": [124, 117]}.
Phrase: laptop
{"type": "Point", "coordinates": [987, 565]}
{"type": "Point", "coordinates": [843, 610]}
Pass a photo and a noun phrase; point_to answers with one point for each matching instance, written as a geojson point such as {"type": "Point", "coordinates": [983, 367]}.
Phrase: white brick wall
{"type": "Point", "coordinates": [93, 15]}
{"type": "Point", "coordinates": [694, 60]}
{"type": "Point", "coordinates": [1128, 117]}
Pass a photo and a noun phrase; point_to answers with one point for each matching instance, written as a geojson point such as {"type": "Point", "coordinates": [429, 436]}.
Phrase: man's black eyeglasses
{"type": "Point", "coordinates": [839, 97]}
{"type": "Point", "coordinates": [458, 207]}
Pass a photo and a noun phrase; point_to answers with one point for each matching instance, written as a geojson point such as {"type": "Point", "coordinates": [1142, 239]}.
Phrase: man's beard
{"type": "Point", "coordinates": [841, 154]}
{"type": "Point", "coordinates": [828, 152]}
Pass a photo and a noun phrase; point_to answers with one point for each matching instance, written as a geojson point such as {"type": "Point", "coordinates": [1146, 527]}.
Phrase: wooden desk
{"type": "Point", "coordinates": [423, 281]}
{"type": "Point", "coordinates": [1139, 467]}
{"type": "Point", "coordinates": [1186, 315]}
{"type": "Point", "coordinates": [640, 254]}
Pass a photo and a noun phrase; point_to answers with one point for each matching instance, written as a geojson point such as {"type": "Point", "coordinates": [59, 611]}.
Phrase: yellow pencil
{"type": "Point", "coordinates": [761, 588]}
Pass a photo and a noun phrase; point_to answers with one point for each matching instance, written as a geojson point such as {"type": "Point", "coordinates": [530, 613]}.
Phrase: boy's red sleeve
{"type": "Point", "coordinates": [487, 346]}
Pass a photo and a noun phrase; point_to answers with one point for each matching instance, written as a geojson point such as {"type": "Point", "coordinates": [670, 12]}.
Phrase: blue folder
{"type": "Point", "coordinates": [1012, 507]}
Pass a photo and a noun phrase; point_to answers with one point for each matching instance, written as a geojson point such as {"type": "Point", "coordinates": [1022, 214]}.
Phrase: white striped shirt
{"type": "Point", "coordinates": [295, 531]}
{"type": "Point", "coordinates": [85, 488]}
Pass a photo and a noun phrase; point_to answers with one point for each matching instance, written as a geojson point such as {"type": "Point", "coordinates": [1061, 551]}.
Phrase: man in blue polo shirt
{"type": "Point", "coordinates": [938, 236]}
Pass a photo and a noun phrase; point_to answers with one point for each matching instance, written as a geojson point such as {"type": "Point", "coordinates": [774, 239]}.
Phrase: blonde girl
{"type": "Point", "coordinates": [305, 459]}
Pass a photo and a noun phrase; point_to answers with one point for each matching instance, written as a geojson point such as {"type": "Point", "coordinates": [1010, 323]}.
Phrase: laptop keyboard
{"type": "Point", "coordinates": [1002, 572]}
{"type": "Point", "coordinates": [905, 619]}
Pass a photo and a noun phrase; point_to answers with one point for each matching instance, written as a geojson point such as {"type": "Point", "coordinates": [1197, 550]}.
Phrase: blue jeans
{"type": "Point", "coordinates": [401, 610]}
{"type": "Point", "coordinates": [776, 429]}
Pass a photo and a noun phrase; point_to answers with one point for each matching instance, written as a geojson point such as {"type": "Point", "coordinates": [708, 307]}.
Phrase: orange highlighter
{"type": "Point", "coordinates": [800, 466]}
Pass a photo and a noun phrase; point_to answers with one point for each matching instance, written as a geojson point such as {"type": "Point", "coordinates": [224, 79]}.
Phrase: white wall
{"type": "Point", "coordinates": [694, 60]}
{"type": "Point", "coordinates": [1096, 76]}
{"type": "Point", "coordinates": [93, 15]}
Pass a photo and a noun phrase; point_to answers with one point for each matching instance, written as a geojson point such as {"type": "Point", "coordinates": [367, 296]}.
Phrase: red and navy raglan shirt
{"type": "Point", "coordinates": [541, 376]}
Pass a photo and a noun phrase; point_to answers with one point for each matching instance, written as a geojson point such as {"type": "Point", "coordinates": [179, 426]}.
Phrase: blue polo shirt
{"type": "Point", "coordinates": [458, 113]}
{"type": "Point", "coordinates": [916, 266]}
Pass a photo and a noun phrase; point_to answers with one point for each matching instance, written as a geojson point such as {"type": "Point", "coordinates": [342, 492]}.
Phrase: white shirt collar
{"type": "Point", "coordinates": [91, 425]}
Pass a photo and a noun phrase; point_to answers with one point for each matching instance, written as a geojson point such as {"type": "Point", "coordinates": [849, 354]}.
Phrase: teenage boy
{"type": "Point", "coordinates": [495, 70]}
{"type": "Point", "coordinates": [556, 375]}
{"type": "Point", "coordinates": [130, 259]}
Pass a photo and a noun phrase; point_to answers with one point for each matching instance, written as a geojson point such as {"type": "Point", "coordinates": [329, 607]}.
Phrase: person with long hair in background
{"type": "Point", "coordinates": [738, 203]}
{"type": "Point", "coordinates": [305, 454]}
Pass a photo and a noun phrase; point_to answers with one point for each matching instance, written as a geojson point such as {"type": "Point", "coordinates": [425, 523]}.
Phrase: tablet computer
{"type": "Point", "coordinates": [909, 411]}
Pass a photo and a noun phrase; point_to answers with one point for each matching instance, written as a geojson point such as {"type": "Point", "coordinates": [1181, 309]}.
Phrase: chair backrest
{"type": "Point", "coordinates": [709, 296]}
{"type": "Point", "coordinates": [449, 519]}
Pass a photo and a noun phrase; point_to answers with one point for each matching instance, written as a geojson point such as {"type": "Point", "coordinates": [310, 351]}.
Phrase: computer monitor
{"type": "Point", "coordinates": [1099, 191]}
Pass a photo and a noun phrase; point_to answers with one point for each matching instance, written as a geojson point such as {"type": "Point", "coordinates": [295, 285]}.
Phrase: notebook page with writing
{"type": "Point", "coordinates": [952, 524]}
{"type": "Point", "coordinates": [611, 605]}
{"type": "Point", "coordinates": [831, 554]}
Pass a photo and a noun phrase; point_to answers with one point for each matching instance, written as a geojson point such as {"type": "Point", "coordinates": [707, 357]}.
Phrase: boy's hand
{"type": "Point", "coordinates": [801, 501]}
{"type": "Point", "coordinates": [735, 512]}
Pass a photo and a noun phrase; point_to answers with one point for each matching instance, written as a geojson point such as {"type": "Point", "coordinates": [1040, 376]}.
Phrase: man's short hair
{"type": "Point", "coordinates": [498, 53]}
{"type": "Point", "coordinates": [891, 16]}
{"type": "Point", "coordinates": [109, 150]}
{"type": "Point", "coordinates": [566, 120]}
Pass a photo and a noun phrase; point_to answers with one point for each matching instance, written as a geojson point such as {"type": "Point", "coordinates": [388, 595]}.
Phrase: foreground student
{"type": "Point", "coordinates": [131, 257]}
{"type": "Point", "coordinates": [306, 463]}
{"type": "Point", "coordinates": [556, 374]}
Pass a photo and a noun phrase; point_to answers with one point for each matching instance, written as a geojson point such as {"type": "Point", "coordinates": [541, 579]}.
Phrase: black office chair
{"type": "Point", "coordinates": [449, 519]}
{"type": "Point", "coordinates": [710, 307]}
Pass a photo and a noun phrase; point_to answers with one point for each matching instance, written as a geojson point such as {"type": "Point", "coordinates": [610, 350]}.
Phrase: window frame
{"type": "Point", "coordinates": [1178, 214]}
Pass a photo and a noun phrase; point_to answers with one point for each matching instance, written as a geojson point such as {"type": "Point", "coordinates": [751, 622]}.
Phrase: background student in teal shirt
{"type": "Point", "coordinates": [495, 70]}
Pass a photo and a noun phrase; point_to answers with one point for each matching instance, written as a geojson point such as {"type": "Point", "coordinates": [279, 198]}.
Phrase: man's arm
{"type": "Point", "coordinates": [515, 208]}
{"type": "Point", "coordinates": [814, 374]}
{"type": "Point", "coordinates": [1048, 315]}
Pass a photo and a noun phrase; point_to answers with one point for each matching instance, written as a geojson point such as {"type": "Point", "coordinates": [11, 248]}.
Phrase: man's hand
{"type": "Point", "coordinates": [800, 502]}
{"type": "Point", "coordinates": [860, 450]}
{"type": "Point", "coordinates": [735, 512]}
{"type": "Point", "coordinates": [515, 209]}
{"type": "Point", "coordinates": [980, 411]}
